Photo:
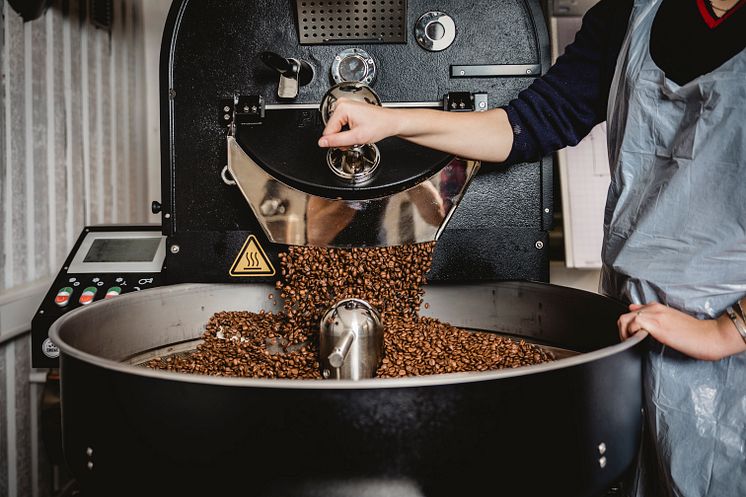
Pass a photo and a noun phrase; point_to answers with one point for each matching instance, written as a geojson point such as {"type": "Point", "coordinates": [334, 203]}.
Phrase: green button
{"type": "Point", "coordinates": [112, 292]}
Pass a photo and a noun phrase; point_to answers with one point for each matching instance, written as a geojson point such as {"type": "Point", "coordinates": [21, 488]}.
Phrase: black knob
{"type": "Point", "coordinates": [290, 68]}
{"type": "Point", "coordinates": [278, 63]}
{"type": "Point", "coordinates": [155, 207]}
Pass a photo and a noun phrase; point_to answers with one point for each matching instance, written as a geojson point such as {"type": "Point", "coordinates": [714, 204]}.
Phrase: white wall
{"type": "Point", "coordinates": [72, 152]}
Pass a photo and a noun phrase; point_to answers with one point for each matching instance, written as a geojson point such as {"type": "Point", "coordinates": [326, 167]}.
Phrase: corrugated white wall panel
{"type": "Point", "coordinates": [72, 146]}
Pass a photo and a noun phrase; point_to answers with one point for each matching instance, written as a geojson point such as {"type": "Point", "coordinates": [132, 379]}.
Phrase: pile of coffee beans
{"type": "Point", "coordinates": [391, 279]}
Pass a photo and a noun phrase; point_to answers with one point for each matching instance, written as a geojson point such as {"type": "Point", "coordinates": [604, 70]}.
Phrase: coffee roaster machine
{"type": "Point", "coordinates": [245, 89]}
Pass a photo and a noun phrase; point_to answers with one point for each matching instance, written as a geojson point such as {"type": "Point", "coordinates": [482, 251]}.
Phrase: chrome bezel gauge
{"type": "Point", "coordinates": [369, 66]}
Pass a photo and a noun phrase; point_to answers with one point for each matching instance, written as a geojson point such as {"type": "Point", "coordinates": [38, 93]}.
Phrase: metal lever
{"type": "Point", "coordinates": [294, 73]}
{"type": "Point", "coordinates": [341, 349]}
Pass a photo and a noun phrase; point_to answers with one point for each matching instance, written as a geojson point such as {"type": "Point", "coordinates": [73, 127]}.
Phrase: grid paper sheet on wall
{"type": "Point", "coordinates": [72, 153]}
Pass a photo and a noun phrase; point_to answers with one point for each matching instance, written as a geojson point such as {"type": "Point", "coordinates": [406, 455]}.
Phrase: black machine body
{"type": "Point", "coordinates": [479, 57]}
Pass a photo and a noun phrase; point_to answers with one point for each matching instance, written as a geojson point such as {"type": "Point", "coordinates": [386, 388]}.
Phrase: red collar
{"type": "Point", "coordinates": [711, 20]}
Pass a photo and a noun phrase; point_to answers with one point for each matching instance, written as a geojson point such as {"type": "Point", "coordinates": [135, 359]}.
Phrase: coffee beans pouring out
{"type": "Point", "coordinates": [391, 279]}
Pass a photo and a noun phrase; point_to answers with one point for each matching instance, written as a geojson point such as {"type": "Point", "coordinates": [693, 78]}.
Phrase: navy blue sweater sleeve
{"type": "Point", "coordinates": [562, 107]}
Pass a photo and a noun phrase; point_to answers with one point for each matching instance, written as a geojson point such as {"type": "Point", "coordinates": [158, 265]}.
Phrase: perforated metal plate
{"type": "Point", "coordinates": [346, 21]}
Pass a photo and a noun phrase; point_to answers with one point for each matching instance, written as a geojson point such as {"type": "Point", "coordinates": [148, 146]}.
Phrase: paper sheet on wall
{"type": "Point", "coordinates": [584, 172]}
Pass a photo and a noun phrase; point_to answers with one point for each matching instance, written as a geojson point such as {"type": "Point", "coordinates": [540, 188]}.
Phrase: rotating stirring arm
{"type": "Point", "coordinates": [351, 341]}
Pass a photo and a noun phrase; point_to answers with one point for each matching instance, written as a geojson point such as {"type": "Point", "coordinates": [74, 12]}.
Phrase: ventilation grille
{"type": "Point", "coordinates": [346, 21]}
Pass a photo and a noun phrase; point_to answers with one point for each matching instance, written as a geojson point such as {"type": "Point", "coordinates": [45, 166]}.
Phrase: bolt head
{"type": "Point", "coordinates": [602, 448]}
{"type": "Point", "coordinates": [175, 249]}
{"type": "Point", "coordinates": [602, 462]}
{"type": "Point", "coordinates": [539, 245]}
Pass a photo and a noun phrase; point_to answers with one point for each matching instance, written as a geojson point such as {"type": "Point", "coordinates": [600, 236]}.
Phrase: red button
{"type": "Point", "coordinates": [63, 296]}
{"type": "Point", "coordinates": [88, 295]}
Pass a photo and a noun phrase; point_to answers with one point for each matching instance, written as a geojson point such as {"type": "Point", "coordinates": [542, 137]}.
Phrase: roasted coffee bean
{"type": "Point", "coordinates": [285, 344]}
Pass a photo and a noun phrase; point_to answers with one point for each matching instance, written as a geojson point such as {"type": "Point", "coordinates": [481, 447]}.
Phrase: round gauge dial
{"type": "Point", "coordinates": [354, 65]}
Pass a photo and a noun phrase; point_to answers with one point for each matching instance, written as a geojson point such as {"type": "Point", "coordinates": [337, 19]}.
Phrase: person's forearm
{"type": "Point", "coordinates": [486, 136]}
{"type": "Point", "coordinates": [483, 136]}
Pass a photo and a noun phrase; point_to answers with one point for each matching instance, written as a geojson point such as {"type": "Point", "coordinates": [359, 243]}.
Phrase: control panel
{"type": "Point", "coordinates": [106, 262]}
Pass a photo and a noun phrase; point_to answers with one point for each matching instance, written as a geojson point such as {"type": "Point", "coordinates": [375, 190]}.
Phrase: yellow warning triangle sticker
{"type": "Point", "coordinates": [252, 261]}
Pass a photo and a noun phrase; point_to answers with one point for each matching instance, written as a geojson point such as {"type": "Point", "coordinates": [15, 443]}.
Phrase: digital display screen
{"type": "Point", "coordinates": [123, 250]}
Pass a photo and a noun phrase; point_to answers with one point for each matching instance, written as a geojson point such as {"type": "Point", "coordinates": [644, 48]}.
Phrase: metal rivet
{"type": "Point", "coordinates": [462, 73]}
{"type": "Point", "coordinates": [602, 462]}
{"type": "Point", "coordinates": [227, 117]}
{"type": "Point", "coordinates": [41, 311]}
{"type": "Point", "coordinates": [226, 109]}
{"type": "Point", "coordinates": [602, 448]}
{"type": "Point", "coordinates": [326, 373]}
{"type": "Point", "coordinates": [539, 245]}
{"type": "Point", "coordinates": [167, 215]}
{"type": "Point", "coordinates": [171, 93]}
{"type": "Point", "coordinates": [546, 210]}
{"type": "Point", "coordinates": [89, 452]}
{"type": "Point", "coordinates": [175, 249]}
{"type": "Point", "coordinates": [528, 71]}
{"type": "Point", "coordinates": [90, 465]}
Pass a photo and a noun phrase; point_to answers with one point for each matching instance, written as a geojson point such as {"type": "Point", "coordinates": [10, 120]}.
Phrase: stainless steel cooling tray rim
{"type": "Point", "coordinates": [378, 383]}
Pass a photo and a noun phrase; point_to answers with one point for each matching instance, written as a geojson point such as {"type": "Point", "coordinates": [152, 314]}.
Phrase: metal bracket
{"type": "Point", "coordinates": [249, 110]}
{"type": "Point", "coordinates": [458, 101]}
{"type": "Point", "coordinates": [463, 101]}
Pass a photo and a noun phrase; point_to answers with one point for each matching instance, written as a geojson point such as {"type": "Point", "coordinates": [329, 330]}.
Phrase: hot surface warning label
{"type": "Point", "coordinates": [252, 261]}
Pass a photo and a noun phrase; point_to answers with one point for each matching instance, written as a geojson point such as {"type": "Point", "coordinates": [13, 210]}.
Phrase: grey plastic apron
{"type": "Point", "coordinates": [675, 233]}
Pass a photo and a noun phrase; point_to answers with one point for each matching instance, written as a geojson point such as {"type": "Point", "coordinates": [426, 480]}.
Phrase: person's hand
{"type": "Point", "coordinates": [367, 124]}
{"type": "Point", "coordinates": [706, 339]}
